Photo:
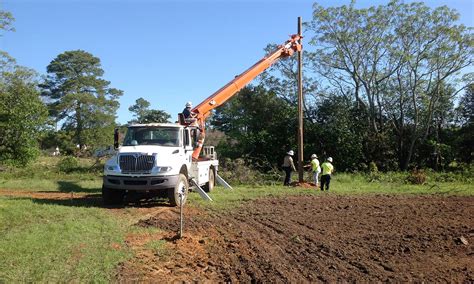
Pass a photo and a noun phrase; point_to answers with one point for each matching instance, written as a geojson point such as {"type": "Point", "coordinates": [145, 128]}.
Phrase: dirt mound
{"type": "Point", "coordinates": [304, 184]}
{"type": "Point", "coordinates": [316, 238]}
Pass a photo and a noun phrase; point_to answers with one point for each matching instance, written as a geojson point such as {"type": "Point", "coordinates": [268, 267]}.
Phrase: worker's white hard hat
{"type": "Point", "coordinates": [189, 104]}
{"type": "Point", "coordinates": [291, 153]}
{"type": "Point", "coordinates": [314, 156]}
{"type": "Point", "coordinates": [330, 159]}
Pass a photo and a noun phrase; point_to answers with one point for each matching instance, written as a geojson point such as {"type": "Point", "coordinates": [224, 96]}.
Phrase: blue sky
{"type": "Point", "coordinates": [167, 52]}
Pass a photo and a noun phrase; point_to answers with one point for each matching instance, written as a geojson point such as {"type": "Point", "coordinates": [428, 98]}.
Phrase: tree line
{"type": "Point", "coordinates": [380, 87]}
{"type": "Point", "coordinates": [386, 85]}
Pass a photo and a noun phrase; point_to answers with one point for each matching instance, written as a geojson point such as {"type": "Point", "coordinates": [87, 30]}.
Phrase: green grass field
{"type": "Point", "coordinates": [47, 240]}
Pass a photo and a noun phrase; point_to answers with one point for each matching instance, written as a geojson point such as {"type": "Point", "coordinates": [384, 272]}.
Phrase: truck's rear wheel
{"type": "Point", "coordinates": [209, 186]}
{"type": "Point", "coordinates": [112, 197]}
{"type": "Point", "coordinates": [182, 186]}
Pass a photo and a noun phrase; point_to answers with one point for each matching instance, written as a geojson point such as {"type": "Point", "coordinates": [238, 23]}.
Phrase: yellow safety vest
{"type": "Point", "coordinates": [315, 165]}
{"type": "Point", "coordinates": [327, 168]}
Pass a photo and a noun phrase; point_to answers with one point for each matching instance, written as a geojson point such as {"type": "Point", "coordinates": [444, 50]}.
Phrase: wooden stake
{"type": "Point", "coordinates": [300, 109]}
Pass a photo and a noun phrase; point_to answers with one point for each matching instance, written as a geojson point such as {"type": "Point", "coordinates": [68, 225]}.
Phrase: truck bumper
{"type": "Point", "coordinates": [140, 183]}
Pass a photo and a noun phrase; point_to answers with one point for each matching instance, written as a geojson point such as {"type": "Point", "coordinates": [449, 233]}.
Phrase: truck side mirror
{"type": "Point", "coordinates": [116, 138]}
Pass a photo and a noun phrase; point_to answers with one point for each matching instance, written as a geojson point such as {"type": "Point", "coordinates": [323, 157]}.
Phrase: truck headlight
{"type": "Point", "coordinates": [112, 168]}
{"type": "Point", "coordinates": [164, 169]}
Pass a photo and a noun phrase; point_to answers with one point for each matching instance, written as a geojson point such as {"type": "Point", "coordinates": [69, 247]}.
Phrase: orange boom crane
{"type": "Point", "coordinates": [203, 110]}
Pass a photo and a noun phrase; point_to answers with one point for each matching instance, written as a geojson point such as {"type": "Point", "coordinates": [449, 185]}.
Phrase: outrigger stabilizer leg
{"type": "Point", "coordinates": [201, 191]}
{"type": "Point", "coordinates": [222, 182]}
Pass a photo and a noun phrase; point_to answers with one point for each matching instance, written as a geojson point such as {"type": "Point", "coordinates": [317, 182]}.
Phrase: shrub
{"type": "Point", "coordinates": [417, 177]}
{"type": "Point", "coordinates": [362, 167]}
{"type": "Point", "coordinates": [374, 174]}
{"type": "Point", "coordinates": [446, 177]}
{"type": "Point", "coordinates": [395, 177]}
{"type": "Point", "coordinates": [68, 164]}
{"type": "Point", "coordinates": [373, 167]}
{"type": "Point", "coordinates": [238, 172]}
{"type": "Point", "coordinates": [374, 177]}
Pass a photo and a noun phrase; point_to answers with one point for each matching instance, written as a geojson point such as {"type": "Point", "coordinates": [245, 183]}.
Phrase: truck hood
{"type": "Point", "coordinates": [149, 150]}
{"type": "Point", "coordinates": [165, 156]}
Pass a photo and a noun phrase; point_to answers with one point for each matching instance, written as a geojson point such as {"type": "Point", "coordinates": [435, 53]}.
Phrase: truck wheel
{"type": "Point", "coordinates": [182, 186]}
{"type": "Point", "coordinates": [112, 197]}
{"type": "Point", "coordinates": [209, 186]}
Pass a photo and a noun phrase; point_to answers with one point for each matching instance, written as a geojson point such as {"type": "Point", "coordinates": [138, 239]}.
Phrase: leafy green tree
{"type": "Point", "coordinates": [335, 134]}
{"type": "Point", "coordinates": [259, 126]}
{"type": "Point", "coordinates": [139, 109]}
{"type": "Point", "coordinates": [465, 109]}
{"type": "Point", "coordinates": [143, 114]}
{"type": "Point", "coordinates": [6, 21]}
{"type": "Point", "coordinates": [353, 53]}
{"type": "Point", "coordinates": [156, 116]}
{"type": "Point", "coordinates": [6, 24]}
{"type": "Point", "coordinates": [22, 115]}
{"type": "Point", "coordinates": [80, 99]}
{"type": "Point", "coordinates": [394, 60]}
{"type": "Point", "coordinates": [64, 140]}
{"type": "Point", "coordinates": [282, 79]}
{"type": "Point", "coordinates": [465, 135]}
{"type": "Point", "coordinates": [434, 50]}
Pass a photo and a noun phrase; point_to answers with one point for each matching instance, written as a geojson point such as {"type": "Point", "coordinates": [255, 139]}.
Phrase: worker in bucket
{"type": "Point", "coordinates": [189, 116]}
{"type": "Point", "coordinates": [288, 166]}
{"type": "Point", "coordinates": [315, 169]}
{"type": "Point", "coordinates": [327, 168]}
{"type": "Point", "coordinates": [187, 110]}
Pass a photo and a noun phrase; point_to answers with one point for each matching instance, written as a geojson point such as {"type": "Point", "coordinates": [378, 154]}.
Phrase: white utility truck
{"type": "Point", "coordinates": [168, 158]}
{"type": "Point", "coordinates": [158, 157]}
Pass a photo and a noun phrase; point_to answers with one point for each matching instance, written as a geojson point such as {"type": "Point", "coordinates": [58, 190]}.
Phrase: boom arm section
{"type": "Point", "coordinates": [203, 110]}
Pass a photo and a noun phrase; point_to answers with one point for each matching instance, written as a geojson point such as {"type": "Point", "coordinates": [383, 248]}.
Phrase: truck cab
{"type": "Point", "coordinates": [157, 158]}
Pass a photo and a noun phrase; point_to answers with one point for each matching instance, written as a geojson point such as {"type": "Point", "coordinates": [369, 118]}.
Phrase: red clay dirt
{"type": "Point", "coordinates": [325, 238]}
{"type": "Point", "coordinates": [303, 184]}
{"type": "Point", "coordinates": [52, 195]}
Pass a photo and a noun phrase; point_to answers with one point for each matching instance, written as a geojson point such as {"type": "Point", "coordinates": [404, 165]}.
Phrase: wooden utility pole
{"type": "Point", "coordinates": [300, 108]}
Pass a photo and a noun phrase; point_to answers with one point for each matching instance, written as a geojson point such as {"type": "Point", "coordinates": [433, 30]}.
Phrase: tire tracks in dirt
{"type": "Point", "coordinates": [316, 238]}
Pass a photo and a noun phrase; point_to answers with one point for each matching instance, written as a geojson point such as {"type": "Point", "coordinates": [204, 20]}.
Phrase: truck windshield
{"type": "Point", "coordinates": [160, 136]}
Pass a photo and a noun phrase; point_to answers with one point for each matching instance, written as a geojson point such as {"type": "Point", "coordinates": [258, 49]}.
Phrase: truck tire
{"type": "Point", "coordinates": [181, 186]}
{"type": "Point", "coordinates": [112, 197]}
{"type": "Point", "coordinates": [209, 186]}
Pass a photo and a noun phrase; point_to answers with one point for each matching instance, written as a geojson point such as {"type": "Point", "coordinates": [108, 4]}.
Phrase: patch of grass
{"type": "Point", "coordinates": [340, 184]}
{"type": "Point", "coordinates": [51, 243]}
{"type": "Point", "coordinates": [44, 175]}
{"type": "Point", "coordinates": [67, 184]}
{"type": "Point", "coordinates": [158, 247]}
{"type": "Point", "coordinates": [396, 184]}
{"type": "Point", "coordinates": [144, 230]}
{"type": "Point", "coordinates": [225, 198]}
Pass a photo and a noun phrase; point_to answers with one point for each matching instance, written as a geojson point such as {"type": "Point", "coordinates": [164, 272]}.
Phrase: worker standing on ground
{"type": "Point", "coordinates": [315, 169]}
{"type": "Point", "coordinates": [327, 168]}
{"type": "Point", "coordinates": [288, 166]}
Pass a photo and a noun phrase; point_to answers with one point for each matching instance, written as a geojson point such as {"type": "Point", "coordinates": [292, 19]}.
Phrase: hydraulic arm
{"type": "Point", "coordinates": [203, 110]}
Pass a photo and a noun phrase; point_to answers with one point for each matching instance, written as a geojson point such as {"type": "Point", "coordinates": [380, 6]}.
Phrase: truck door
{"type": "Point", "coordinates": [188, 147]}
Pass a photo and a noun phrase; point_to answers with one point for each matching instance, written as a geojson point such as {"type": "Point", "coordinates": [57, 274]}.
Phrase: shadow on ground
{"type": "Point", "coordinates": [69, 186]}
{"type": "Point", "coordinates": [95, 200]}
{"type": "Point", "coordinates": [72, 194]}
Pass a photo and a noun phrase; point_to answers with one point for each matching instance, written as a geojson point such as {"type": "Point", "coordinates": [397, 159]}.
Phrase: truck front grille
{"type": "Point", "coordinates": [136, 163]}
